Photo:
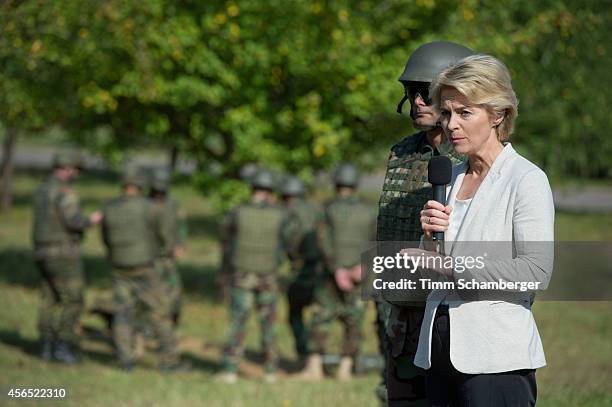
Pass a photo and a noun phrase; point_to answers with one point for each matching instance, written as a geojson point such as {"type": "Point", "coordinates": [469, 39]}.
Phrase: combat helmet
{"type": "Point", "coordinates": [263, 179]}
{"type": "Point", "coordinates": [346, 175]}
{"type": "Point", "coordinates": [248, 171]}
{"type": "Point", "coordinates": [160, 179]}
{"type": "Point", "coordinates": [292, 186]}
{"type": "Point", "coordinates": [133, 175]}
{"type": "Point", "coordinates": [428, 60]}
{"type": "Point", "coordinates": [68, 158]}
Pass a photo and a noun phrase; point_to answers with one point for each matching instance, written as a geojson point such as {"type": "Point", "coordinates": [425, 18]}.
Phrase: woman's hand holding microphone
{"type": "Point", "coordinates": [434, 218]}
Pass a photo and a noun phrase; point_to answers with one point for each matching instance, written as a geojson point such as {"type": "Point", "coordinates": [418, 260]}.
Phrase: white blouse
{"type": "Point", "coordinates": [456, 218]}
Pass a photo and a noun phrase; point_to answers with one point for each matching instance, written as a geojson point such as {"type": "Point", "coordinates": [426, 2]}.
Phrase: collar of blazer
{"type": "Point", "coordinates": [482, 193]}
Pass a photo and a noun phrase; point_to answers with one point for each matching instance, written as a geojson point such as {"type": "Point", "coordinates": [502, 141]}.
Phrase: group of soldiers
{"type": "Point", "coordinates": [143, 234]}
{"type": "Point", "coordinates": [323, 243]}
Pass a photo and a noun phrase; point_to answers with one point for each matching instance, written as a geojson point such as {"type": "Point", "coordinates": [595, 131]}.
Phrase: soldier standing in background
{"type": "Point", "coordinates": [174, 225]}
{"type": "Point", "coordinates": [130, 229]}
{"type": "Point", "coordinates": [247, 172]}
{"type": "Point", "coordinates": [304, 255]}
{"type": "Point", "coordinates": [57, 234]}
{"type": "Point", "coordinates": [252, 238]}
{"type": "Point", "coordinates": [405, 191]}
{"type": "Point", "coordinates": [348, 224]}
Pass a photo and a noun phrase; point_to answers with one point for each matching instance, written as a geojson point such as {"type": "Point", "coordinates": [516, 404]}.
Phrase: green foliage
{"type": "Point", "coordinates": [294, 86]}
{"type": "Point", "coordinates": [560, 57]}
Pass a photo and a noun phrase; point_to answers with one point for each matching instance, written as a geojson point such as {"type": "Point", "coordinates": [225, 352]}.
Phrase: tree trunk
{"type": "Point", "coordinates": [6, 169]}
{"type": "Point", "coordinates": [173, 158]}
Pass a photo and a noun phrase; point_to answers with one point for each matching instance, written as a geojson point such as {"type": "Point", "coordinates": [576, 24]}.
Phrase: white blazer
{"type": "Point", "coordinates": [513, 204]}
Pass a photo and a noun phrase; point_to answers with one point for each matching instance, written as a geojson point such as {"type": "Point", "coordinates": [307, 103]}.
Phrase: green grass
{"type": "Point", "coordinates": [576, 335]}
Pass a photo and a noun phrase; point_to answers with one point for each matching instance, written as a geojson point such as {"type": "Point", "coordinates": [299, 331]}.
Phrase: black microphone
{"type": "Point", "coordinates": [439, 173]}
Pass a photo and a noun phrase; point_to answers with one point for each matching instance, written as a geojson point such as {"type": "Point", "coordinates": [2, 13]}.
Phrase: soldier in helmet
{"type": "Point", "coordinates": [248, 171]}
{"type": "Point", "coordinates": [405, 191]}
{"type": "Point", "coordinates": [252, 237]}
{"type": "Point", "coordinates": [132, 230]}
{"type": "Point", "coordinates": [305, 257]}
{"type": "Point", "coordinates": [57, 233]}
{"type": "Point", "coordinates": [348, 224]}
{"type": "Point", "coordinates": [246, 174]}
{"type": "Point", "coordinates": [174, 223]}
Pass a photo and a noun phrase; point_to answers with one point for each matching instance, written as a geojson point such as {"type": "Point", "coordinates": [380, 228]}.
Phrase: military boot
{"type": "Point", "coordinates": [46, 350]}
{"type": "Point", "coordinates": [313, 370]}
{"type": "Point", "coordinates": [226, 377]}
{"type": "Point", "coordinates": [345, 369]}
{"type": "Point", "coordinates": [64, 353]}
{"type": "Point", "coordinates": [176, 367]}
{"type": "Point", "coordinates": [270, 378]}
{"type": "Point", "coordinates": [127, 367]}
{"type": "Point", "coordinates": [139, 346]}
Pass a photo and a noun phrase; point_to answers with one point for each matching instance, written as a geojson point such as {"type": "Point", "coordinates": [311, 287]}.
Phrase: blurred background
{"type": "Point", "coordinates": [297, 86]}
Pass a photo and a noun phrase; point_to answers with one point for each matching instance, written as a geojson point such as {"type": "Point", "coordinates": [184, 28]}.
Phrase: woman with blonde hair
{"type": "Point", "coordinates": [481, 352]}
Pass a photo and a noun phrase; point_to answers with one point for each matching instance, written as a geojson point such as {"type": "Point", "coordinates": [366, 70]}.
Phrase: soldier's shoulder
{"type": "Point", "coordinates": [314, 206]}
{"type": "Point", "coordinates": [172, 202]}
{"type": "Point", "coordinates": [331, 202]}
{"type": "Point", "coordinates": [67, 195]}
{"type": "Point", "coordinates": [278, 208]}
{"type": "Point", "coordinates": [113, 203]}
{"type": "Point", "coordinates": [407, 145]}
{"type": "Point", "coordinates": [361, 201]}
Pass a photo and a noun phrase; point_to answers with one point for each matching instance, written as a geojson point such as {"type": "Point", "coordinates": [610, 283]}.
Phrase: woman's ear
{"type": "Point", "coordinates": [498, 119]}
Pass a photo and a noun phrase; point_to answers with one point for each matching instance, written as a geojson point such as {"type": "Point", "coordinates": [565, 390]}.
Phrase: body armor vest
{"type": "Point", "coordinates": [351, 224]}
{"type": "Point", "coordinates": [48, 225]}
{"type": "Point", "coordinates": [257, 240]}
{"type": "Point", "coordinates": [406, 188]}
{"type": "Point", "coordinates": [127, 224]}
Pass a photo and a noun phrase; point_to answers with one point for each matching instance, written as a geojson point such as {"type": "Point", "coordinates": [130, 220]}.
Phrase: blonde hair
{"type": "Point", "coordinates": [485, 81]}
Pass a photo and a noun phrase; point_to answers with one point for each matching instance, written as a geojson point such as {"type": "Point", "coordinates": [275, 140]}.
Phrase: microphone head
{"type": "Point", "coordinates": [439, 170]}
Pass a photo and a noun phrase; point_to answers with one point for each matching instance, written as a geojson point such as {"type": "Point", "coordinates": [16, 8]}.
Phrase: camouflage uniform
{"type": "Point", "coordinates": [252, 237]}
{"type": "Point", "coordinates": [57, 234]}
{"type": "Point", "coordinates": [130, 229]}
{"type": "Point", "coordinates": [349, 224]}
{"type": "Point", "coordinates": [405, 191]}
{"type": "Point", "coordinates": [174, 225]}
{"type": "Point", "coordinates": [305, 263]}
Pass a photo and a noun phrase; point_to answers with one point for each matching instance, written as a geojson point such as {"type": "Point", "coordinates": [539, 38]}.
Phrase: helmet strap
{"type": "Point", "coordinates": [401, 103]}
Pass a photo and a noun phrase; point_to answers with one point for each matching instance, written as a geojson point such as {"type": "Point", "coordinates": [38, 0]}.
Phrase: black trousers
{"type": "Point", "coordinates": [447, 387]}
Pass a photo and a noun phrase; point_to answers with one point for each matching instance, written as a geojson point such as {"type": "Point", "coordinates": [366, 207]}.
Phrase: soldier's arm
{"type": "Point", "coordinates": [69, 208]}
{"type": "Point", "coordinates": [104, 232]}
{"type": "Point", "coordinates": [325, 245]}
{"type": "Point", "coordinates": [182, 229]}
{"type": "Point", "coordinates": [374, 227]}
{"type": "Point", "coordinates": [291, 234]}
{"type": "Point", "coordinates": [226, 233]}
{"type": "Point", "coordinates": [228, 227]}
{"type": "Point", "coordinates": [167, 222]}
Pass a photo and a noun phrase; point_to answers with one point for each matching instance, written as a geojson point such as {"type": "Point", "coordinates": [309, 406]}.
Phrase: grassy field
{"type": "Point", "coordinates": [576, 335]}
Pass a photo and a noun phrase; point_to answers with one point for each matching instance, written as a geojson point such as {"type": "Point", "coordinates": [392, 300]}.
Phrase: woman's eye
{"type": "Point", "coordinates": [465, 114]}
{"type": "Point", "coordinates": [445, 113]}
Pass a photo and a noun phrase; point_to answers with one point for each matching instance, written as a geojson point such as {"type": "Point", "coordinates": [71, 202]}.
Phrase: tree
{"type": "Point", "coordinates": [296, 86]}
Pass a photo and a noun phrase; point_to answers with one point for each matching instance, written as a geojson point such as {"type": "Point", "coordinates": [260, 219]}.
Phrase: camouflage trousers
{"type": "Point", "coordinates": [139, 293]}
{"type": "Point", "coordinates": [300, 294]}
{"type": "Point", "coordinates": [61, 305]}
{"type": "Point", "coordinates": [172, 279]}
{"type": "Point", "coordinates": [263, 297]}
{"type": "Point", "coordinates": [405, 381]}
{"type": "Point", "coordinates": [382, 314]}
{"type": "Point", "coordinates": [330, 305]}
